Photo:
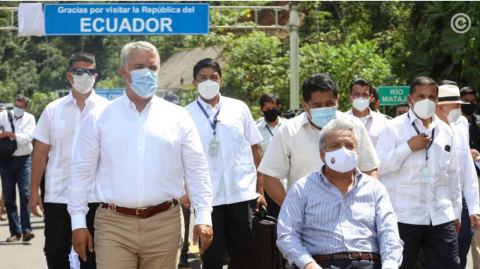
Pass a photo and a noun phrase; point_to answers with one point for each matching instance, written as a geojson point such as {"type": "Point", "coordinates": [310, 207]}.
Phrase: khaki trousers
{"type": "Point", "coordinates": [476, 246]}
{"type": "Point", "coordinates": [128, 242]}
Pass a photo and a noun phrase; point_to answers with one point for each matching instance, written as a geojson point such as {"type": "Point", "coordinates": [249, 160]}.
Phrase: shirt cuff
{"type": "Point", "coordinates": [78, 222]}
{"type": "Point", "coordinates": [389, 264]}
{"type": "Point", "coordinates": [473, 210]}
{"type": "Point", "coordinates": [203, 217]}
{"type": "Point", "coordinates": [41, 139]}
{"type": "Point", "coordinates": [304, 260]}
{"type": "Point", "coordinates": [458, 213]}
{"type": "Point", "coordinates": [404, 150]}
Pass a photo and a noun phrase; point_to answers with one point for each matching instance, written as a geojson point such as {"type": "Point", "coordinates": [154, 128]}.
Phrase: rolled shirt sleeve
{"type": "Point", "coordinates": [42, 131]}
{"type": "Point", "coordinates": [276, 161]}
{"type": "Point", "coordinates": [252, 135]}
{"type": "Point", "coordinates": [83, 170]}
{"type": "Point", "coordinates": [196, 172]}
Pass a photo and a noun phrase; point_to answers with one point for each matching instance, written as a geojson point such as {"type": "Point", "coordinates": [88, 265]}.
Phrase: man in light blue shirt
{"type": "Point", "coordinates": [339, 217]}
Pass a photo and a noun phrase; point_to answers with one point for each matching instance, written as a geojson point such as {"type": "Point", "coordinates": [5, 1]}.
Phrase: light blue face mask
{"type": "Point", "coordinates": [144, 82]}
{"type": "Point", "coordinates": [322, 116]}
{"type": "Point", "coordinates": [18, 112]}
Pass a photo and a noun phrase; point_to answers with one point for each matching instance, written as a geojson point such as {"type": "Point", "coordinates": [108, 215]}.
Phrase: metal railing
{"type": "Point", "coordinates": [12, 10]}
{"type": "Point", "coordinates": [216, 9]}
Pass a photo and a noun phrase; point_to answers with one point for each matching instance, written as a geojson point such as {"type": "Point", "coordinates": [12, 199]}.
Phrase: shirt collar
{"type": "Point", "coordinates": [205, 105]}
{"type": "Point", "coordinates": [264, 123]}
{"type": "Point", "coordinates": [91, 97]}
{"type": "Point", "coordinates": [413, 117]}
{"type": "Point", "coordinates": [304, 119]}
{"type": "Point", "coordinates": [368, 115]}
{"type": "Point", "coordinates": [129, 104]}
{"type": "Point", "coordinates": [358, 177]}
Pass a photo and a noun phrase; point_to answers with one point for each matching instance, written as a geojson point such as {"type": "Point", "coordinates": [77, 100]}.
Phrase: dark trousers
{"type": "Point", "coordinates": [465, 236]}
{"type": "Point", "coordinates": [349, 264]}
{"type": "Point", "coordinates": [438, 242]}
{"type": "Point", "coordinates": [186, 219]}
{"type": "Point", "coordinates": [273, 209]}
{"type": "Point", "coordinates": [58, 236]}
{"type": "Point", "coordinates": [232, 229]}
{"type": "Point", "coordinates": [17, 172]}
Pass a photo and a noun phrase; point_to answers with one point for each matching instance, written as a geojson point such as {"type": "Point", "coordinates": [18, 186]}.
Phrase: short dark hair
{"type": "Point", "coordinates": [269, 97]}
{"type": "Point", "coordinates": [22, 98]}
{"type": "Point", "coordinates": [361, 82]}
{"type": "Point", "coordinates": [446, 82]}
{"type": "Point", "coordinates": [81, 57]}
{"type": "Point", "coordinates": [467, 90]}
{"type": "Point", "coordinates": [422, 81]}
{"type": "Point", "coordinates": [205, 63]}
{"type": "Point", "coordinates": [402, 104]}
{"type": "Point", "coordinates": [318, 82]}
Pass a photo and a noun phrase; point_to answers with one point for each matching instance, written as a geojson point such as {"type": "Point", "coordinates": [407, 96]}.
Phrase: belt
{"type": "Point", "coordinates": [348, 256]}
{"type": "Point", "coordinates": [141, 212]}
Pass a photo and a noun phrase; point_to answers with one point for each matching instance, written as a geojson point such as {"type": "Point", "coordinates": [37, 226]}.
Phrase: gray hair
{"type": "Point", "coordinates": [139, 45]}
{"type": "Point", "coordinates": [22, 98]}
{"type": "Point", "coordinates": [346, 124]}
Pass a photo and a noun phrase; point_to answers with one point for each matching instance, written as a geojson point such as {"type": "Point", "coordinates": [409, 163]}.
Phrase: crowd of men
{"type": "Point", "coordinates": [354, 189]}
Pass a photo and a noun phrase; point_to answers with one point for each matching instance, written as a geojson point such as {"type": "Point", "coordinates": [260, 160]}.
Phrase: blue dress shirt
{"type": "Point", "coordinates": [316, 219]}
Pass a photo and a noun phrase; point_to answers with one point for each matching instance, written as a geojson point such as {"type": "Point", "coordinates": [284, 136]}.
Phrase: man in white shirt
{"type": "Point", "coordinates": [56, 134]}
{"type": "Point", "coordinates": [16, 170]}
{"type": "Point", "coordinates": [418, 165]}
{"type": "Point", "coordinates": [449, 111]}
{"type": "Point", "coordinates": [270, 108]}
{"type": "Point", "coordinates": [361, 93]}
{"type": "Point", "coordinates": [135, 154]}
{"type": "Point", "coordinates": [293, 151]}
{"type": "Point", "coordinates": [230, 139]}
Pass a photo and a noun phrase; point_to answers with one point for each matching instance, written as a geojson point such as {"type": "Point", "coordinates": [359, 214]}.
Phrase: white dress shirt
{"type": "Point", "coordinates": [437, 198]}
{"type": "Point", "coordinates": [294, 151]}
{"type": "Point", "coordinates": [139, 159]}
{"type": "Point", "coordinates": [374, 123]}
{"type": "Point", "coordinates": [233, 171]}
{"type": "Point", "coordinates": [24, 128]}
{"type": "Point", "coordinates": [59, 126]}
{"type": "Point", "coordinates": [267, 133]}
{"type": "Point", "coordinates": [467, 173]}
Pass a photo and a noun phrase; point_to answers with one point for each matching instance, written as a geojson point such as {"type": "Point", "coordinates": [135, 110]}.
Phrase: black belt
{"type": "Point", "coordinates": [18, 157]}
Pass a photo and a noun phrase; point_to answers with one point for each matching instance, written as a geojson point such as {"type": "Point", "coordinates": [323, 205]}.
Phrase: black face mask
{"type": "Point", "coordinates": [468, 109]}
{"type": "Point", "coordinates": [271, 115]}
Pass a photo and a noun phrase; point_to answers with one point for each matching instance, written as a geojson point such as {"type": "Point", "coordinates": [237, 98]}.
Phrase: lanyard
{"type": "Point", "coordinates": [212, 124]}
{"type": "Point", "coordinates": [418, 132]}
{"type": "Point", "coordinates": [266, 125]}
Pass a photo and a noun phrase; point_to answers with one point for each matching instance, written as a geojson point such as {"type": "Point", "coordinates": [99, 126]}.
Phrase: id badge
{"type": "Point", "coordinates": [425, 175]}
{"type": "Point", "coordinates": [213, 149]}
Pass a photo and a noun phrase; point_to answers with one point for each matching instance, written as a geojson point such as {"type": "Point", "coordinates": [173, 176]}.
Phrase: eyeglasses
{"type": "Point", "coordinates": [81, 71]}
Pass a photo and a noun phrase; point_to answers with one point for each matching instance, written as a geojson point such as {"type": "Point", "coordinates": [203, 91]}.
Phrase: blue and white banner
{"type": "Point", "coordinates": [126, 19]}
{"type": "Point", "coordinates": [110, 94]}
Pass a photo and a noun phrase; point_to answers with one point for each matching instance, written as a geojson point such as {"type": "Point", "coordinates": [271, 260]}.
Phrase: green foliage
{"type": "Point", "coordinates": [39, 101]}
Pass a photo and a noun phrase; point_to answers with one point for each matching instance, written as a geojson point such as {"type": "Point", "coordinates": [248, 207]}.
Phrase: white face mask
{"type": "Point", "coordinates": [18, 112]}
{"type": "Point", "coordinates": [208, 89]}
{"type": "Point", "coordinates": [425, 108]}
{"type": "Point", "coordinates": [341, 160]}
{"type": "Point", "coordinates": [453, 115]}
{"type": "Point", "coordinates": [361, 103]}
{"type": "Point", "coordinates": [84, 83]}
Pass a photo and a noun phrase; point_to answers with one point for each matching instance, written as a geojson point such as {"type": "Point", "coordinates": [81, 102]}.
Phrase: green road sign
{"type": "Point", "coordinates": [392, 95]}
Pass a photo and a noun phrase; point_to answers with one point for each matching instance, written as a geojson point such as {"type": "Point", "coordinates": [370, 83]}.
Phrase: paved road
{"type": "Point", "coordinates": [21, 255]}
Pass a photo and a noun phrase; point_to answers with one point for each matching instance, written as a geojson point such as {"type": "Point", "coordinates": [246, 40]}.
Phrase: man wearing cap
{"type": "Point", "coordinates": [418, 165]}
{"type": "Point", "coordinates": [448, 110]}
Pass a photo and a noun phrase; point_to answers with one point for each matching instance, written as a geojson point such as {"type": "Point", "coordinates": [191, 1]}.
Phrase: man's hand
{"type": "Point", "coordinates": [312, 265]}
{"type": "Point", "coordinates": [419, 142]}
{"type": "Point", "coordinates": [80, 238]}
{"type": "Point", "coordinates": [475, 221]}
{"type": "Point", "coordinates": [185, 201]}
{"type": "Point", "coordinates": [2, 134]}
{"type": "Point", "coordinates": [260, 201]}
{"type": "Point", "coordinates": [458, 225]}
{"type": "Point", "coordinates": [35, 200]}
{"type": "Point", "coordinates": [205, 233]}
{"type": "Point", "coordinates": [475, 155]}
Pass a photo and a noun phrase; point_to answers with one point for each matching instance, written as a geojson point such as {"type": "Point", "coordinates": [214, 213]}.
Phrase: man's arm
{"type": "Point", "coordinates": [197, 181]}
{"type": "Point", "coordinates": [83, 170]}
{"type": "Point", "coordinates": [290, 226]}
{"type": "Point", "coordinates": [275, 189]}
{"type": "Point", "coordinates": [39, 162]}
{"type": "Point", "coordinates": [257, 158]}
{"type": "Point", "coordinates": [26, 136]}
{"type": "Point", "coordinates": [390, 244]}
{"type": "Point", "coordinates": [372, 173]}
{"type": "Point", "coordinates": [455, 189]}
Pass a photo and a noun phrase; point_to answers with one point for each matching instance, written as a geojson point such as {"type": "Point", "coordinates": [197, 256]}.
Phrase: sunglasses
{"type": "Point", "coordinates": [81, 71]}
